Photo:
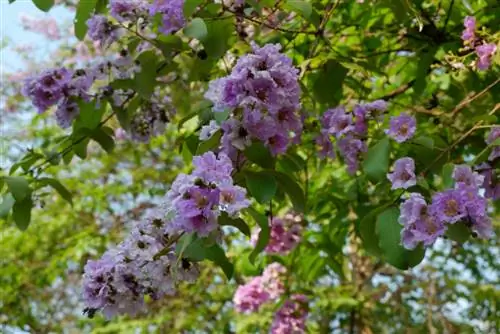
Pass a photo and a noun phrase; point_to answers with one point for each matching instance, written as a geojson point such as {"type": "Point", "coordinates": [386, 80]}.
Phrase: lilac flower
{"type": "Point", "coordinates": [468, 35]}
{"type": "Point", "coordinates": [207, 131]}
{"type": "Point", "coordinates": [250, 296]}
{"type": "Point", "coordinates": [337, 121]}
{"type": "Point", "coordinates": [491, 182]}
{"type": "Point", "coordinates": [127, 10]}
{"type": "Point", "coordinates": [100, 29]}
{"type": "Point", "coordinates": [284, 236]}
{"type": "Point", "coordinates": [351, 148]}
{"type": "Point", "coordinates": [361, 122]}
{"type": "Point", "coordinates": [448, 206]}
{"type": "Point", "coordinates": [291, 317]}
{"type": "Point", "coordinates": [46, 89]}
{"type": "Point", "coordinates": [419, 225]}
{"type": "Point", "coordinates": [233, 199]}
{"type": "Point", "coordinates": [404, 174]}
{"type": "Point", "coordinates": [172, 14]}
{"type": "Point", "coordinates": [492, 136]}
{"type": "Point", "coordinates": [235, 137]}
{"type": "Point", "coordinates": [485, 53]}
{"type": "Point", "coordinates": [213, 169]}
{"type": "Point", "coordinates": [463, 174]}
{"type": "Point", "coordinates": [150, 120]}
{"type": "Point", "coordinates": [377, 105]}
{"type": "Point", "coordinates": [273, 279]}
{"type": "Point", "coordinates": [402, 127]}
{"type": "Point", "coordinates": [66, 112]}
{"type": "Point", "coordinates": [324, 143]}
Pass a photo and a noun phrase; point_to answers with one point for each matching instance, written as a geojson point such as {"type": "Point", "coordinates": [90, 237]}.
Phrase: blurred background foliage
{"type": "Point", "coordinates": [407, 52]}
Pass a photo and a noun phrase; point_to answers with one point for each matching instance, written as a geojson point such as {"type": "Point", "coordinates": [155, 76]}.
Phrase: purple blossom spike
{"type": "Point", "coordinates": [127, 10]}
{"type": "Point", "coordinates": [250, 296]}
{"type": "Point", "coordinates": [404, 174]}
{"type": "Point", "coordinates": [351, 148]}
{"type": "Point", "coordinates": [485, 53]}
{"type": "Point", "coordinates": [325, 145]}
{"type": "Point", "coordinates": [463, 174]}
{"type": "Point", "coordinates": [492, 136]}
{"type": "Point", "coordinates": [491, 182]}
{"type": "Point", "coordinates": [337, 121]}
{"type": "Point", "coordinates": [66, 112]}
{"type": "Point", "coordinates": [46, 89]}
{"type": "Point", "coordinates": [284, 236]}
{"type": "Point", "coordinates": [213, 169]}
{"type": "Point", "coordinates": [101, 30]}
{"type": "Point", "coordinates": [402, 127]}
{"type": "Point", "coordinates": [469, 35]}
{"type": "Point", "coordinates": [172, 14]}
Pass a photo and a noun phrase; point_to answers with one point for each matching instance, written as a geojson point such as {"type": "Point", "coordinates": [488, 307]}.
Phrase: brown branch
{"type": "Point", "coordinates": [468, 100]}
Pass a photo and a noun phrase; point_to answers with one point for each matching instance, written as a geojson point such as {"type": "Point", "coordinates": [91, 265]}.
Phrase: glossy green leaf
{"type": "Point", "coordinates": [104, 139]}
{"type": "Point", "coordinates": [458, 232]}
{"type": "Point", "coordinates": [44, 5]}
{"type": "Point", "coordinates": [262, 186]}
{"type": "Point", "coordinates": [328, 82]}
{"type": "Point", "coordinates": [145, 80]}
{"type": "Point", "coordinates": [304, 8]}
{"type": "Point", "coordinates": [292, 189]}
{"type": "Point", "coordinates": [84, 10]}
{"type": "Point", "coordinates": [21, 213]}
{"type": "Point", "coordinates": [264, 234]}
{"type": "Point", "coordinates": [447, 175]}
{"type": "Point", "coordinates": [210, 144]}
{"type": "Point", "coordinates": [376, 163]}
{"type": "Point", "coordinates": [6, 205]}
{"type": "Point", "coordinates": [57, 186]}
{"type": "Point", "coordinates": [225, 220]}
{"type": "Point", "coordinates": [190, 7]}
{"type": "Point", "coordinates": [196, 29]}
{"type": "Point", "coordinates": [388, 230]}
{"type": "Point", "coordinates": [260, 155]}
{"type": "Point", "coordinates": [198, 250]}
{"type": "Point", "coordinates": [18, 186]}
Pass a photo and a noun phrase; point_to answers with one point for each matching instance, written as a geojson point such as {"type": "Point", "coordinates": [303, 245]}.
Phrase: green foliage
{"type": "Point", "coordinates": [376, 163]}
{"type": "Point", "coordinates": [83, 13]}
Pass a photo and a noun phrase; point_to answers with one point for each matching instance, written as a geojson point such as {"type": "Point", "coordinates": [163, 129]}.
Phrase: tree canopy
{"type": "Point", "coordinates": [192, 166]}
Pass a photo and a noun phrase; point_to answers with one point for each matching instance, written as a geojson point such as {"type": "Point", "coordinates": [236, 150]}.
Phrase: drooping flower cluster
{"type": "Point", "coordinates": [65, 87]}
{"type": "Point", "coordinates": [291, 317]}
{"type": "Point", "coordinates": [151, 118]}
{"type": "Point", "coordinates": [285, 234]}
{"type": "Point", "coordinates": [423, 223]}
{"type": "Point", "coordinates": [260, 289]}
{"type": "Point", "coordinates": [102, 30]}
{"type": "Point", "coordinates": [263, 91]}
{"type": "Point", "coordinates": [128, 10]}
{"type": "Point", "coordinates": [46, 26]}
{"type": "Point", "coordinates": [172, 15]}
{"type": "Point", "coordinates": [484, 51]}
{"type": "Point", "coordinates": [402, 127]}
{"type": "Point", "coordinates": [350, 130]}
{"type": "Point", "coordinates": [492, 137]}
{"type": "Point", "coordinates": [143, 264]}
{"type": "Point", "coordinates": [198, 199]}
{"type": "Point", "coordinates": [404, 174]}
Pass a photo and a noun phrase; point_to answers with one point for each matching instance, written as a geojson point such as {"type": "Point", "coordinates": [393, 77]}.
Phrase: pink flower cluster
{"type": "Point", "coordinates": [260, 289]}
{"type": "Point", "coordinates": [46, 26]}
{"type": "Point", "coordinates": [285, 234]}
{"type": "Point", "coordinates": [291, 317]}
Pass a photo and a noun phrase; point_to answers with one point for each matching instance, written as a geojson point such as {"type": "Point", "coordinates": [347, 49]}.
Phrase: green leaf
{"type": "Point", "coordinates": [84, 10]}
{"type": "Point", "coordinates": [7, 203]}
{"type": "Point", "coordinates": [145, 80]}
{"type": "Point", "coordinates": [190, 7]}
{"type": "Point", "coordinates": [104, 140]}
{"type": "Point", "coordinates": [328, 82]}
{"type": "Point", "coordinates": [216, 42]}
{"type": "Point", "coordinates": [21, 212]}
{"type": "Point", "coordinates": [260, 155]}
{"type": "Point", "coordinates": [57, 186]}
{"type": "Point", "coordinates": [261, 185]}
{"type": "Point", "coordinates": [264, 234]}
{"type": "Point", "coordinates": [197, 250]}
{"type": "Point", "coordinates": [376, 163]}
{"type": "Point", "coordinates": [389, 233]}
{"type": "Point", "coordinates": [426, 59]}
{"type": "Point", "coordinates": [196, 29]}
{"type": "Point", "coordinates": [291, 163]}
{"type": "Point", "coordinates": [424, 141]}
{"type": "Point", "coordinates": [447, 175]}
{"type": "Point", "coordinates": [304, 8]}
{"type": "Point", "coordinates": [168, 44]}
{"type": "Point", "coordinates": [458, 232]}
{"type": "Point", "coordinates": [44, 5]}
{"type": "Point", "coordinates": [210, 144]}
{"type": "Point", "coordinates": [239, 223]}
{"type": "Point", "coordinates": [18, 186]}
{"type": "Point", "coordinates": [292, 189]}
{"type": "Point", "coordinates": [89, 117]}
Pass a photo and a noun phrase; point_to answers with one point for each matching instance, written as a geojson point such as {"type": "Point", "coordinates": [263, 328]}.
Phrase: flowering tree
{"type": "Point", "coordinates": [266, 157]}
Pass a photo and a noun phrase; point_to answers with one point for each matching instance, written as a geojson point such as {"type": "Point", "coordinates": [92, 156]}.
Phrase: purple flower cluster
{"type": "Point", "coordinates": [291, 317]}
{"type": "Point", "coordinates": [285, 234]}
{"type": "Point", "coordinates": [172, 15]}
{"type": "Point", "coordinates": [197, 199]}
{"type": "Point", "coordinates": [151, 118]}
{"type": "Point", "coordinates": [402, 127]}
{"type": "Point", "coordinates": [425, 223]}
{"type": "Point", "coordinates": [349, 129]}
{"type": "Point", "coordinates": [59, 86]}
{"type": "Point", "coordinates": [469, 33]}
{"type": "Point", "coordinates": [101, 30]}
{"type": "Point", "coordinates": [118, 282]}
{"type": "Point", "coordinates": [404, 174]}
{"type": "Point", "coordinates": [264, 86]}
{"type": "Point", "coordinates": [128, 10]}
{"type": "Point", "coordinates": [484, 50]}
{"type": "Point", "coordinates": [260, 289]}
